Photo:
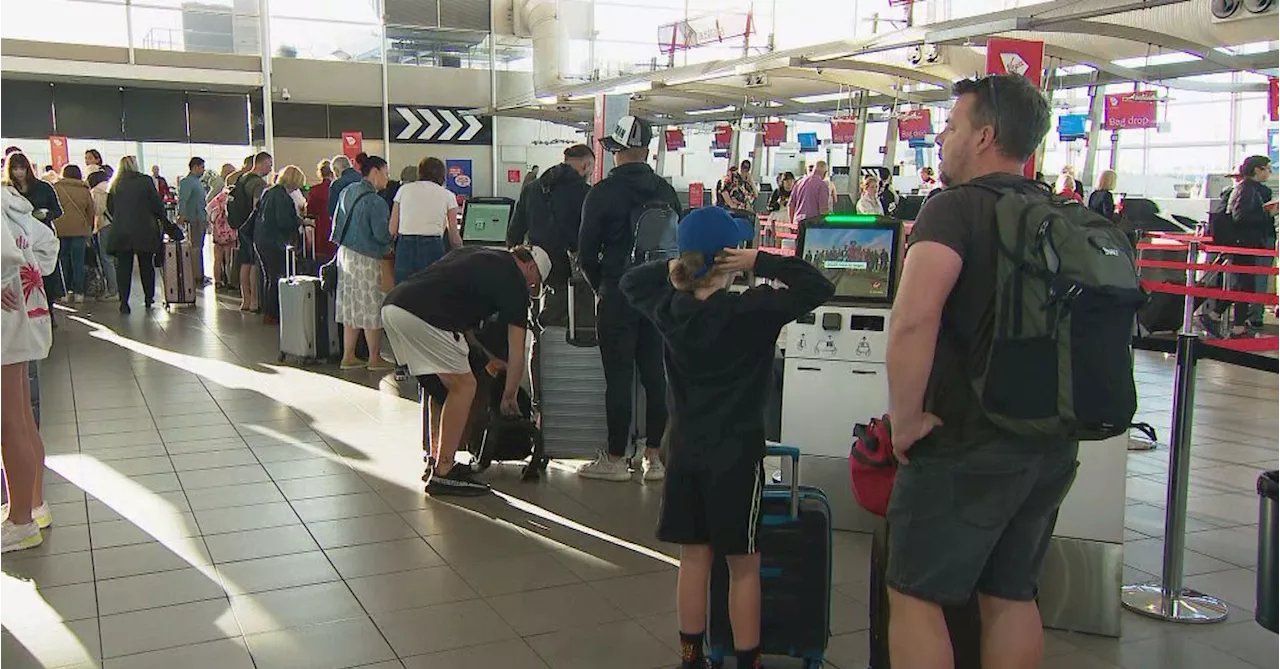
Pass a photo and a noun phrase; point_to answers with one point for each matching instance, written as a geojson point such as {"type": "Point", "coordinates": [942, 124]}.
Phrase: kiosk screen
{"type": "Point", "coordinates": [485, 223]}
{"type": "Point", "coordinates": [858, 260]}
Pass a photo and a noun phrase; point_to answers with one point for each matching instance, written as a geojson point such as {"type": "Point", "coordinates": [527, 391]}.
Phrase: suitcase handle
{"type": "Point", "coordinates": [781, 450]}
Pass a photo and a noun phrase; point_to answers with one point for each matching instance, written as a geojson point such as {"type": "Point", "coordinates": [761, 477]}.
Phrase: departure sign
{"type": "Point", "coordinates": [1131, 110]}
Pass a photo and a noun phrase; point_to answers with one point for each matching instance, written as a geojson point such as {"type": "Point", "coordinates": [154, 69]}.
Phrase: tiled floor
{"type": "Point", "coordinates": [215, 509]}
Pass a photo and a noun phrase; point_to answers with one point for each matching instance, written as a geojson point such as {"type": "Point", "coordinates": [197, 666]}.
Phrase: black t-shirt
{"type": "Point", "coordinates": [464, 288]}
{"type": "Point", "coordinates": [963, 219]}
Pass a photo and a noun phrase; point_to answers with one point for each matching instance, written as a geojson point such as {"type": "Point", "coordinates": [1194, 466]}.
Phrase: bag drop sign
{"type": "Point", "coordinates": [1130, 110]}
{"type": "Point", "coordinates": [915, 124]}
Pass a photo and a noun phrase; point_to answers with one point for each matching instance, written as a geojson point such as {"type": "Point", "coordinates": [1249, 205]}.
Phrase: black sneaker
{"type": "Point", "coordinates": [459, 481]}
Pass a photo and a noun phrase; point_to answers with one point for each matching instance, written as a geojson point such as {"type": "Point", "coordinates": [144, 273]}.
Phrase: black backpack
{"type": "Point", "coordinates": [653, 228]}
{"type": "Point", "coordinates": [240, 204]}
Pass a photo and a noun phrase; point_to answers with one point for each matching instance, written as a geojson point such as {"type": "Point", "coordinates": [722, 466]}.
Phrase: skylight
{"type": "Point", "coordinates": [1247, 49]}
{"type": "Point", "coordinates": [1158, 59]}
{"type": "Point", "coordinates": [717, 110]}
{"type": "Point", "coordinates": [822, 97]}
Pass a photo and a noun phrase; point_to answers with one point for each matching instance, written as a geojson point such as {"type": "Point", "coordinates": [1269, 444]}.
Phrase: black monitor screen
{"type": "Point", "coordinates": [858, 260]}
{"type": "Point", "coordinates": [485, 223]}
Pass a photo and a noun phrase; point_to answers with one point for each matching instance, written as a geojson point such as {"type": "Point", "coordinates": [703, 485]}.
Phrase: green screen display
{"type": "Point", "coordinates": [485, 222]}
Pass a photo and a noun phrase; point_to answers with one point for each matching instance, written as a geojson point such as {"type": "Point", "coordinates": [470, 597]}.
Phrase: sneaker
{"type": "Point", "coordinates": [654, 470]}
{"type": "Point", "coordinates": [40, 514]}
{"type": "Point", "coordinates": [77, 298]}
{"type": "Point", "coordinates": [459, 482]}
{"type": "Point", "coordinates": [604, 469]}
{"type": "Point", "coordinates": [19, 537]}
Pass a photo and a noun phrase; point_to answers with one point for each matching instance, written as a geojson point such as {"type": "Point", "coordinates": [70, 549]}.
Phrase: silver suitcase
{"type": "Point", "coordinates": [309, 331]}
{"type": "Point", "coordinates": [568, 388]}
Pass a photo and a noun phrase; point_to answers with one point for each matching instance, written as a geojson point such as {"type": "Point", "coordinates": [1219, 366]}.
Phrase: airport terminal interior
{"type": "Point", "coordinates": [220, 504]}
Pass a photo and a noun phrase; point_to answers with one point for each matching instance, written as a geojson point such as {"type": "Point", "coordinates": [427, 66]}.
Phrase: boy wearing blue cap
{"type": "Point", "coordinates": [719, 350]}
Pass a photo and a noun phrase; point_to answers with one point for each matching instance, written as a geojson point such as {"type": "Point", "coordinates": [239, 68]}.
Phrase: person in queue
{"type": "Point", "coordinates": [928, 183]}
{"type": "Point", "coordinates": [276, 227]}
{"type": "Point", "coordinates": [711, 497]}
{"type": "Point", "coordinates": [424, 213]}
{"type": "Point", "coordinates": [251, 184]}
{"type": "Point", "coordinates": [191, 210]}
{"type": "Point", "coordinates": [869, 199]}
{"type": "Point", "coordinates": [30, 250]}
{"type": "Point", "coordinates": [99, 186]}
{"type": "Point", "coordinates": [549, 216]}
{"type": "Point", "coordinates": [135, 208]}
{"type": "Point", "coordinates": [429, 320]}
{"type": "Point", "coordinates": [1066, 188]}
{"type": "Point", "coordinates": [1102, 200]}
{"type": "Point", "coordinates": [45, 208]}
{"type": "Point", "coordinates": [348, 173]}
{"type": "Point", "coordinates": [74, 229]}
{"type": "Point", "coordinates": [972, 507]}
{"type": "Point", "coordinates": [1252, 208]}
{"type": "Point", "coordinates": [318, 211]}
{"type": "Point", "coordinates": [780, 198]}
{"type": "Point", "coordinates": [361, 229]}
{"type": "Point", "coordinates": [92, 162]}
{"type": "Point", "coordinates": [627, 341]}
{"type": "Point", "coordinates": [811, 197]}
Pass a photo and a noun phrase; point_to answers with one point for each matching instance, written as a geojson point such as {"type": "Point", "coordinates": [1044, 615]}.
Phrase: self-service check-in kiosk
{"type": "Point", "coordinates": [485, 221]}
{"type": "Point", "coordinates": [834, 358]}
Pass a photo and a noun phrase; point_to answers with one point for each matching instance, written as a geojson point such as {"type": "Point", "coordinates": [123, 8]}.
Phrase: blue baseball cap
{"type": "Point", "coordinates": [710, 230]}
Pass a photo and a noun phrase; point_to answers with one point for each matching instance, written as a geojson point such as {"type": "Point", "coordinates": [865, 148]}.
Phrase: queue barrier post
{"type": "Point", "coordinates": [1168, 599]}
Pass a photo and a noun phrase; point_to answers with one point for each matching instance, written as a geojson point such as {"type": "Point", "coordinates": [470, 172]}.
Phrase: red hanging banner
{"type": "Point", "coordinates": [695, 195]}
{"type": "Point", "coordinates": [1015, 56]}
{"type": "Point", "coordinates": [674, 138]}
{"type": "Point", "coordinates": [352, 144]}
{"type": "Point", "coordinates": [915, 124]}
{"type": "Point", "coordinates": [58, 151]}
{"type": "Point", "coordinates": [723, 137]}
{"type": "Point", "coordinates": [843, 130]}
{"type": "Point", "coordinates": [513, 176]}
{"type": "Point", "coordinates": [775, 133]}
{"type": "Point", "coordinates": [1273, 99]}
{"type": "Point", "coordinates": [1130, 110]}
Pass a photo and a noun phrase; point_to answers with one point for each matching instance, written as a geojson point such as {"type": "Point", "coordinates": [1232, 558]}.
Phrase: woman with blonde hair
{"type": "Point", "coordinates": [276, 227]}
{"type": "Point", "coordinates": [1067, 187]}
{"type": "Point", "coordinates": [137, 216]}
{"type": "Point", "coordinates": [1102, 200]}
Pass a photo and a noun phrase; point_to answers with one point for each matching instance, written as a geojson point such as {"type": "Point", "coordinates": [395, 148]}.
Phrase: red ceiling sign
{"type": "Point", "coordinates": [58, 151]}
{"type": "Point", "coordinates": [915, 124]}
{"type": "Point", "coordinates": [843, 130]}
{"type": "Point", "coordinates": [723, 137]}
{"type": "Point", "coordinates": [695, 194]}
{"type": "Point", "coordinates": [674, 138]}
{"type": "Point", "coordinates": [775, 133]}
{"type": "Point", "coordinates": [1130, 110]}
{"type": "Point", "coordinates": [1273, 98]}
{"type": "Point", "coordinates": [513, 176]}
{"type": "Point", "coordinates": [1015, 56]}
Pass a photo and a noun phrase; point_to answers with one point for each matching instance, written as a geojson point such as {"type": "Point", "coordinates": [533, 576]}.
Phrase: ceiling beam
{"type": "Point", "coordinates": [1141, 36]}
{"type": "Point", "coordinates": [897, 71]}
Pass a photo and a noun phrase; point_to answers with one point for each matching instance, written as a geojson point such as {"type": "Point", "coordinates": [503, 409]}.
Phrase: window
{"type": "Point", "coordinates": [324, 40]}
{"type": "Point", "coordinates": [1196, 123]}
{"type": "Point", "coordinates": [79, 22]}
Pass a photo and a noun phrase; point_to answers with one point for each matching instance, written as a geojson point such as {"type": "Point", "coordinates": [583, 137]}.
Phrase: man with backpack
{"type": "Point", "coordinates": [549, 215]}
{"type": "Point", "coordinates": [1009, 343]}
{"type": "Point", "coordinates": [629, 218]}
{"type": "Point", "coordinates": [242, 199]}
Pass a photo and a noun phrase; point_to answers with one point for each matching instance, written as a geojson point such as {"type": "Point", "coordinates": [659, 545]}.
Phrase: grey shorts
{"type": "Point", "coordinates": [976, 518]}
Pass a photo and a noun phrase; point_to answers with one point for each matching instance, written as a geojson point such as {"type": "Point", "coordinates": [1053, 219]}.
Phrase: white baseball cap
{"type": "Point", "coordinates": [629, 133]}
{"type": "Point", "coordinates": [542, 260]}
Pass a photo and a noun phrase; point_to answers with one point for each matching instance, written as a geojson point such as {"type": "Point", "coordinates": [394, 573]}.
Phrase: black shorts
{"type": "Point", "coordinates": [978, 518]}
{"type": "Point", "coordinates": [719, 508]}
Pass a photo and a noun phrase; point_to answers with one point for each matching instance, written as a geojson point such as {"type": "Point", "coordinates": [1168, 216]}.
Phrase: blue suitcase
{"type": "Point", "coordinates": [794, 541]}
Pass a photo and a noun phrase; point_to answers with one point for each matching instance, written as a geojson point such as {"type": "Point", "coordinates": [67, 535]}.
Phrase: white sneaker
{"type": "Point", "coordinates": [19, 537]}
{"type": "Point", "coordinates": [654, 470]}
{"type": "Point", "coordinates": [40, 514]}
{"type": "Point", "coordinates": [604, 469]}
{"type": "Point", "coordinates": [77, 298]}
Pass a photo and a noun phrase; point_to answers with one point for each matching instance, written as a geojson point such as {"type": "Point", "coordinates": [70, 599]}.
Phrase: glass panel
{"type": "Point", "coordinates": [204, 28]}
{"type": "Point", "coordinates": [438, 48]}
{"type": "Point", "coordinates": [1188, 161]}
{"type": "Point", "coordinates": [1203, 122]}
{"type": "Point", "coordinates": [1253, 118]}
{"type": "Point", "coordinates": [351, 11]}
{"type": "Point", "coordinates": [322, 40]}
{"type": "Point", "coordinates": [95, 23]}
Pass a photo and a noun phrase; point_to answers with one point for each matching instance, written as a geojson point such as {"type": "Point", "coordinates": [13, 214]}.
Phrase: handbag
{"type": "Point", "coordinates": [329, 270]}
{"type": "Point", "coordinates": [387, 273]}
{"type": "Point", "coordinates": [872, 465]}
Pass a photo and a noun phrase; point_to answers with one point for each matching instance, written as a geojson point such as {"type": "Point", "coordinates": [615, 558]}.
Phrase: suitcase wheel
{"type": "Point", "coordinates": [481, 464]}
{"type": "Point", "coordinates": [542, 463]}
{"type": "Point", "coordinates": [529, 472]}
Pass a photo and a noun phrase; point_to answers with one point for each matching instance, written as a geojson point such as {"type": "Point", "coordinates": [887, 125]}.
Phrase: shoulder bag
{"type": "Point", "coordinates": [329, 270]}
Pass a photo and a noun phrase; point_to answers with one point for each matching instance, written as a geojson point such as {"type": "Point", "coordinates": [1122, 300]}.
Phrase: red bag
{"type": "Point", "coordinates": [872, 467]}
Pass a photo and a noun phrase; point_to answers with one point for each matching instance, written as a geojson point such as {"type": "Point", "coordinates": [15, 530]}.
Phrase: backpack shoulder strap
{"type": "Point", "coordinates": [346, 219]}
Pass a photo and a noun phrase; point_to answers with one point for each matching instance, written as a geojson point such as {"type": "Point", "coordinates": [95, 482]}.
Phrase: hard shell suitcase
{"type": "Point", "coordinates": [309, 331]}
{"type": "Point", "coordinates": [794, 542]}
{"type": "Point", "coordinates": [568, 387]}
{"type": "Point", "coordinates": [963, 621]}
{"type": "Point", "coordinates": [178, 273]}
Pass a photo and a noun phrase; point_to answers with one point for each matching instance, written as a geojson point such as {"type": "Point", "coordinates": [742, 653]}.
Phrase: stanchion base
{"type": "Point", "coordinates": [1189, 606]}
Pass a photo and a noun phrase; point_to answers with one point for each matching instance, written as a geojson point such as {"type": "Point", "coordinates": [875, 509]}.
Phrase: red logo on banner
{"type": "Point", "coordinates": [843, 130]}
{"type": "Point", "coordinates": [1015, 56]}
{"type": "Point", "coordinates": [775, 133]}
{"type": "Point", "coordinates": [352, 144]}
{"type": "Point", "coordinates": [513, 176]}
{"type": "Point", "coordinates": [675, 139]}
{"type": "Point", "coordinates": [915, 124]}
{"type": "Point", "coordinates": [58, 149]}
{"type": "Point", "coordinates": [1130, 110]}
{"type": "Point", "coordinates": [723, 137]}
{"type": "Point", "coordinates": [695, 195]}
{"type": "Point", "coordinates": [1273, 99]}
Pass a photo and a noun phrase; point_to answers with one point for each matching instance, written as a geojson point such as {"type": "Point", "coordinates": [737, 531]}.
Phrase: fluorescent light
{"type": "Point", "coordinates": [1247, 49]}
{"type": "Point", "coordinates": [1068, 70]}
{"type": "Point", "coordinates": [638, 87]}
{"type": "Point", "coordinates": [822, 97]}
{"type": "Point", "coordinates": [1158, 59]}
{"type": "Point", "coordinates": [547, 100]}
{"type": "Point", "coordinates": [718, 110]}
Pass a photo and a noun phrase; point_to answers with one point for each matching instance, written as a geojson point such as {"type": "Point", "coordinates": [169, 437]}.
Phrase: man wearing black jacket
{"type": "Point", "coordinates": [627, 341]}
{"type": "Point", "coordinates": [549, 215]}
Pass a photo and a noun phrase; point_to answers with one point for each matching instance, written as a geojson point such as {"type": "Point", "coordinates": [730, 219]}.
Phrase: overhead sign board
{"type": "Point", "coordinates": [775, 133]}
{"type": "Point", "coordinates": [1126, 111]}
{"type": "Point", "coordinates": [915, 124]}
{"type": "Point", "coordinates": [438, 125]}
{"type": "Point", "coordinates": [1072, 126]}
{"type": "Point", "coordinates": [1015, 56]}
{"type": "Point", "coordinates": [843, 130]}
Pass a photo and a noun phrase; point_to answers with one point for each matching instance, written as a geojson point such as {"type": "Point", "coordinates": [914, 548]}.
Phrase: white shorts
{"type": "Point", "coordinates": [423, 347]}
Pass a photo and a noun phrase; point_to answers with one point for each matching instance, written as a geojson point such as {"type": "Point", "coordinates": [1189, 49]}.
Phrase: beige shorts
{"type": "Point", "coordinates": [423, 347]}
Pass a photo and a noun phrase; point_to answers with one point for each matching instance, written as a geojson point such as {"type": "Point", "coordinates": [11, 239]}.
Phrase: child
{"type": "Point", "coordinates": [719, 350]}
